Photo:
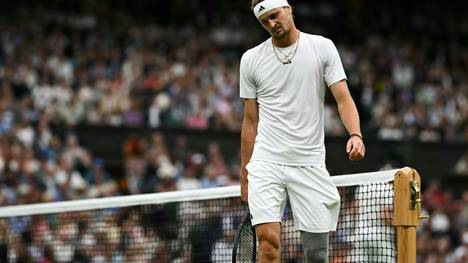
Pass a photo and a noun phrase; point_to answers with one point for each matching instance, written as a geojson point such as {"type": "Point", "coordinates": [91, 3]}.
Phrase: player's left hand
{"type": "Point", "coordinates": [355, 148]}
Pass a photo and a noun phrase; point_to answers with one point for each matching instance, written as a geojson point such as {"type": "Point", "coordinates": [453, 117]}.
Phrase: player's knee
{"type": "Point", "coordinates": [269, 242]}
{"type": "Point", "coordinates": [316, 255]}
{"type": "Point", "coordinates": [269, 251]}
{"type": "Point", "coordinates": [269, 236]}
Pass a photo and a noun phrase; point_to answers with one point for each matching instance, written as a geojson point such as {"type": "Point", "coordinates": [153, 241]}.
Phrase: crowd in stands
{"type": "Point", "coordinates": [153, 166]}
{"type": "Point", "coordinates": [444, 237]}
{"type": "Point", "coordinates": [89, 69]}
{"type": "Point", "coordinates": [62, 69]}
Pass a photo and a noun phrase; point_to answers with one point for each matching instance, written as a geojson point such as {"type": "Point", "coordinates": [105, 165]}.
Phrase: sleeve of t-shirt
{"type": "Point", "coordinates": [247, 88]}
{"type": "Point", "coordinates": [333, 68]}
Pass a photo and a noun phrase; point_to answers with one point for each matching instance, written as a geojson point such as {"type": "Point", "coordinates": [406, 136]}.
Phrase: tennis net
{"type": "Point", "coordinates": [189, 226]}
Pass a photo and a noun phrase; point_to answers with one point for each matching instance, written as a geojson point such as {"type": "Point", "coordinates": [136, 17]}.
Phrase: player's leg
{"type": "Point", "coordinates": [315, 204]}
{"type": "Point", "coordinates": [315, 247]}
{"type": "Point", "coordinates": [269, 242]}
{"type": "Point", "coordinates": [267, 199]}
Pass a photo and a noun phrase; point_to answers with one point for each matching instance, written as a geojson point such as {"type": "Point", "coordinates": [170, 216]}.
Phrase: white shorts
{"type": "Point", "coordinates": [314, 199]}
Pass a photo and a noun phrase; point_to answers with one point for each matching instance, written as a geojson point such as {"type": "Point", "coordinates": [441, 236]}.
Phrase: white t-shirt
{"type": "Point", "coordinates": [291, 98]}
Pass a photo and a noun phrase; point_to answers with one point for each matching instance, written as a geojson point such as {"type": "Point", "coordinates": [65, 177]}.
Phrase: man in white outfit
{"type": "Point", "coordinates": [282, 83]}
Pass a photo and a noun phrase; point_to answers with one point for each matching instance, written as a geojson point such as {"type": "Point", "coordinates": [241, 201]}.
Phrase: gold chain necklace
{"type": "Point", "coordinates": [287, 58]}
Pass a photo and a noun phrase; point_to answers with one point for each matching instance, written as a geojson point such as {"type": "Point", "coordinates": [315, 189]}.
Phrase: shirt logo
{"type": "Point", "coordinates": [261, 8]}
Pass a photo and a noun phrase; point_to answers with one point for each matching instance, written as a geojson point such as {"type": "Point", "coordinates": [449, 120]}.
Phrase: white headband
{"type": "Point", "coordinates": [265, 6]}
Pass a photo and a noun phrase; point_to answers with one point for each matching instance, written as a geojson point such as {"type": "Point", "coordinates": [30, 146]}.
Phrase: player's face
{"type": "Point", "coordinates": [277, 21]}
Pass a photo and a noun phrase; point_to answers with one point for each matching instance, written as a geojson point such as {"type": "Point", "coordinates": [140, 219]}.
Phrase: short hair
{"type": "Point", "coordinates": [254, 3]}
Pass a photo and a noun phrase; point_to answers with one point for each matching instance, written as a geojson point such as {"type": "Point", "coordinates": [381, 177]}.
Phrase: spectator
{"type": "Point", "coordinates": [461, 167]}
{"type": "Point", "coordinates": [461, 253]}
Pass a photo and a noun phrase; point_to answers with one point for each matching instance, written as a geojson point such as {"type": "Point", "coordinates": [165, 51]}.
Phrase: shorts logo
{"type": "Point", "coordinates": [261, 8]}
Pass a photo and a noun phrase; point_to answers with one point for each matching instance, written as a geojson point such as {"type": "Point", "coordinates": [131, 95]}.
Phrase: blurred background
{"type": "Point", "coordinates": [106, 98]}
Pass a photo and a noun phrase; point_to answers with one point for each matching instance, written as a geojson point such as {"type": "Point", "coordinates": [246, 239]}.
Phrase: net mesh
{"type": "Point", "coordinates": [364, 232]}
{"type": "Point", "coordinates": [190, 230]}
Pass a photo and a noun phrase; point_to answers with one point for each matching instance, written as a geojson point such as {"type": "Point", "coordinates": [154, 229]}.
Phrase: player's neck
{"type": "Point", "coordinates": [288, 39]}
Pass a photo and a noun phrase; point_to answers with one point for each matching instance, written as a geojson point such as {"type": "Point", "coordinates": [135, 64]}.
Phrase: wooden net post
{"type": "Point", "coordinates": [407, 205]}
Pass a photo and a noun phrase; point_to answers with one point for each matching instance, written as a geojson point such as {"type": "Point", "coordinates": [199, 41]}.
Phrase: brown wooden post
{"type": "Point", "coordinates": [407, 203]}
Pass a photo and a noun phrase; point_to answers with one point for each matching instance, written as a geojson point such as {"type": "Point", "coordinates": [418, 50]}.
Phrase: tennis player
{"type": "Point", "coordinates": [283, 82]}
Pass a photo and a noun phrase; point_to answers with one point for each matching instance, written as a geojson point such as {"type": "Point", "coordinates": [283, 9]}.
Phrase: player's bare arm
{"type": "Point", "coordinates": [248, 134]}
{"type": "Point", "coordinates": [350, 119]}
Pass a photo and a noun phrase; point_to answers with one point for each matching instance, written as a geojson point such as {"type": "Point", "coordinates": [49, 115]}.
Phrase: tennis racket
{"type": "Point", "coordinates": [245, 243]}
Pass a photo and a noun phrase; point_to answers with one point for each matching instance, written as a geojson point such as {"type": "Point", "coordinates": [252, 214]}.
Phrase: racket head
{"type": "Point", "coordinates": [245, 242]}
